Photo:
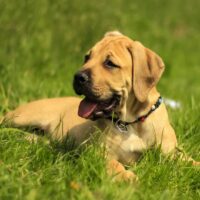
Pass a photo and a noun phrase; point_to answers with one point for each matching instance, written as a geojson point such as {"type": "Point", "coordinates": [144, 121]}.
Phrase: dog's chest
{"type": "Point", "coordinates": [126, 147]}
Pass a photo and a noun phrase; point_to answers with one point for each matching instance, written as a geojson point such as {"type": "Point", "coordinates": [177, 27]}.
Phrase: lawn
{"type": "Point", "coordinates": [42, 44]}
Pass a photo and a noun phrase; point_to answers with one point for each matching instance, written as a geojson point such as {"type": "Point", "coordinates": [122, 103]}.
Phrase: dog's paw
{"type": "Point", "coordinates": [127, 176]}
{"type": "Point", "coordinates": [119, 173]}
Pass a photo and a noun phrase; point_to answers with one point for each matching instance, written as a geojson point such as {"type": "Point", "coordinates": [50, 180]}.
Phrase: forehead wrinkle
{"type": "Point", "coordinates": [112, 54]}
{"type": "Point", "coordinates": [113, 49]}
{"type": "Point", "coordinates": [118, 52]}
{"type": "Point", "coordinates": [115, 41]}
{"type": "Point", "coordinates": [107, 41]}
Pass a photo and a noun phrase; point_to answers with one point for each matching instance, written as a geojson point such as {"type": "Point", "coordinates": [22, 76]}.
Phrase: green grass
{"type": "Point", "coordinates": [42, 43]}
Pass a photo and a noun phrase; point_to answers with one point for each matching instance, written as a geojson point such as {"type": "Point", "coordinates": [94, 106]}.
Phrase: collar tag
{"type": "Point", "coordinates": [121, 126]}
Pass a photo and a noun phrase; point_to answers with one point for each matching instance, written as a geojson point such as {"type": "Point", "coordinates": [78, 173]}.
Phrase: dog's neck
{"type": "Point", "coordinates": [135, 108]}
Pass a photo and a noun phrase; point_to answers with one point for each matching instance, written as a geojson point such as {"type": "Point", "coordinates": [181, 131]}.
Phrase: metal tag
{"type": "Point", "coordinates": [121, 127]}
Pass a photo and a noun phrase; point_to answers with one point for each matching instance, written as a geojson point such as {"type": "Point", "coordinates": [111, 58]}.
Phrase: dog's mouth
{"type": "Point", "coordinates": [91, 109]}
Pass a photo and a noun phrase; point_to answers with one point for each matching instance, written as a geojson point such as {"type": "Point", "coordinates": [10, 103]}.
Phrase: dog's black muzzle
{"type": "Point", "coordinates": [82, 82]}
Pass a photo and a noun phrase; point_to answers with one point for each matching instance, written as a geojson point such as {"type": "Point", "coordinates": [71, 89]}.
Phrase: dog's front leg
{"type": "Point", "coordinates": [168, 143]}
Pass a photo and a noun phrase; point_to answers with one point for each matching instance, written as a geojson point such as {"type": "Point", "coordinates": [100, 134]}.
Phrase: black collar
{"type": "Point", "coordinates": [122, 125]}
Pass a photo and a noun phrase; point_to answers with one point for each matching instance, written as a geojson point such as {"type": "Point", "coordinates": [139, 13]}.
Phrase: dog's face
{"type": "Point", "coordinates": [115, 67]}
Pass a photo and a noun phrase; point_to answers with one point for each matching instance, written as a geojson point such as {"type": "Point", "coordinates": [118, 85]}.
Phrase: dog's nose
{"type": "Point", "coordinates": [82, 81]}
{"type": "Point", "coordinates": [81, 77]}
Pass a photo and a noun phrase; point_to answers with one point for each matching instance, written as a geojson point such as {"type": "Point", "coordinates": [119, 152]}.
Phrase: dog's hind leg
{"type": "Point", "coordinates": [25, 120]}
{"type": "Point", "coordinates": [57, 117]}
{"type": "Point", "coordinates": [38, 116]}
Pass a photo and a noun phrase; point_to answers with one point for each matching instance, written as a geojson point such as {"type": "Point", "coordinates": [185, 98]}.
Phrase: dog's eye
{"type": "Point", "coordinates": [109, 64]}
{"type": "Point", "coordinates": [86, 58]}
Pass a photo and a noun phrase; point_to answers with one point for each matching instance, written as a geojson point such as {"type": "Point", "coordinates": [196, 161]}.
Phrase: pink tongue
{"type": "Point", "coordinates": [86, 108]}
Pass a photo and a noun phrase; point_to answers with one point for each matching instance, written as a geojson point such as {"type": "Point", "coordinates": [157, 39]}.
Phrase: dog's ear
{"type": "Point", "coordinates": [113, 33]}
{"type": "Point", "coordinates": [147, 70]}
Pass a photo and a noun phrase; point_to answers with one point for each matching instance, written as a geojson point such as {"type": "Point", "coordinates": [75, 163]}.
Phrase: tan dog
{"type": "Point", "coordinates": [118, 81]}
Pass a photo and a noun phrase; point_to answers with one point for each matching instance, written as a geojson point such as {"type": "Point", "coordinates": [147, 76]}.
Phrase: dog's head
{"type": "Point", "coordinates": [113, 69]}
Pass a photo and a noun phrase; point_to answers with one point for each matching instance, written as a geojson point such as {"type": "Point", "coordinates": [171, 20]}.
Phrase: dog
{"type": "Point", "coordinates": [118, 79]}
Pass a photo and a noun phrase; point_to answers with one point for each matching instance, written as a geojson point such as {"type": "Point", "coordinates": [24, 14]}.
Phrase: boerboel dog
{"type": "Point", "coordinates": [118, 80]}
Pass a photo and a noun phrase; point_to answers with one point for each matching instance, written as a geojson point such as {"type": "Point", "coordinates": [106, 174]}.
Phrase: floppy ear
{"type": "Point", "coordinates": [147, 70]}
